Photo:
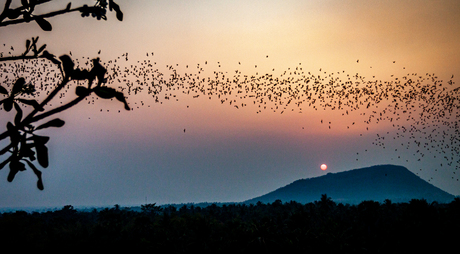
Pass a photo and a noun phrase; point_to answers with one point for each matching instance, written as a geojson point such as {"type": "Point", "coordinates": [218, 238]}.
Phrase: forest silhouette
{"type": "Point", "coordinates": [319, 227]}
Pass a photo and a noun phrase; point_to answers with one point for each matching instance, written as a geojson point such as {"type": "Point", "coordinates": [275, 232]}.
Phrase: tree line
{"type": "Point", "coordinates": [320, 226]}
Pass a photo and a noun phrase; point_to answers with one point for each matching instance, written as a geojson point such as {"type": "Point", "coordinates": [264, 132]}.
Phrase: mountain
{"type": "Point", "coordinates": [377, 183]}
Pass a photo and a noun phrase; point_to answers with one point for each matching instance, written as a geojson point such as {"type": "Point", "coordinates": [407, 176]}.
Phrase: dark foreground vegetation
{"type": "Point", "coordinates": [319, 227]}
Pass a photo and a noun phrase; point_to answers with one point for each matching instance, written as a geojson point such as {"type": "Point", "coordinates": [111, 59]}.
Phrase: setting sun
{"type": "Point", "coordinates": [323, 166]}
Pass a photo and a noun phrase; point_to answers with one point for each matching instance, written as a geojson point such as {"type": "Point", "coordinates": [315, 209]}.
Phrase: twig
{"type": "Point", "coordinates": [29, 118]}
{"type": "Point", "coordinates": [7, 8]}
{"type": "Point", "coordinates": [58, 109]}
{"type": "Point", "coordinates": [15, 58]}
{"type": "Point", "coordinates": [46, 15]}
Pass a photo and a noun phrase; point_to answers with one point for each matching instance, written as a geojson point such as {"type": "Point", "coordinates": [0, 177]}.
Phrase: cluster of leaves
{"type": "Point", "coordinates": [19, 87]}
{"type": "Point", "coordinates": [25, 145]}
{"type": "Point", "coordinates": [100, 9]}
{"type": "Point", "coordinates": [319, 227]}
{"type": "Point", "coordinates": [24, 141]}
{"type": "Point", "coordinates": [14, 15]}
{"type": "Point", "coordinates": [97, 71]}
{"type": "Point", "coordinates": [26, 11]}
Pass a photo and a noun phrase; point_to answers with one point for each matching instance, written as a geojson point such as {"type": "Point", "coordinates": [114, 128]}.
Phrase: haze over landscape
{"type": "Point", "coordinates": [238, 123]}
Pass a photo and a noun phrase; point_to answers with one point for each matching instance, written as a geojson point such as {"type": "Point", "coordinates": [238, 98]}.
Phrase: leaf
{"type": "Point", "coordinates": [82, 91]}
{"type": "Point", "coordinates": [81, 74]}
{"type": "Point", "coordinates": [8, 104]}
{"type": "Point", "coordinates": [42, 155]}
{"type": "Point", "coordinates": [40, 183]}
{"type": "Point", "coordinates": [26, 151]}
{"type": "Point", "coordinates": [13, 133]}
{"type": "Point", "coordinates": [116, 8]}
{"type": "Point", "coordinates": [41, 49]}
{"type": "Point", "coordinates": [68, 6]}
{"type": "Point", "coordinates": [105, 92]}
{"type": "Point", "coordinates": [12, 174]}
{"type": "Point", "coordinates": [3, 90]}
{"type": "Point", "coordinates": [41, 140]}
{"type": "Point", "coordinates": [121, 97]}
{"type": "Point", "coordinates": [15, 167]}
{"type": "Point", "coordinates": [45, 25]}
{"type": "Point", "coordinates": [27, 44]}
{"type": "Point", "coordinates": [119, 14]}
{"type": "Point", "coordinates": [108, 93]}
{"type": "Point", "coordinates": [32, 103]}
{"type": "Point", "coordinates": [53, 123]}
{"type": "Point", "coordinates": [38, 173]}
{"type": "Point", "coordinates": [13, 14]}
{"type": "Point", "coordinates": [67, 64]}
{"type": "Point", "coordinates": [98, 70]}
{"type": "Point", "coordinates": [17, 87]}
{"type": "Point", "coordinates": [18, 117]}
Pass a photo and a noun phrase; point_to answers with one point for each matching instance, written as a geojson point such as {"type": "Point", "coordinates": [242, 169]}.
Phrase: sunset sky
{"type": "Point", "coordinates": [188, 149]}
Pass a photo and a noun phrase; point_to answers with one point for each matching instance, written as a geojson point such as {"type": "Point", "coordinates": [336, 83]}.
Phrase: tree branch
{"type": "Point", "coordinates": [7, 8]}
{"type": "Point", "coordinates": [30, 118]}
{"type": "Point", "coordinates": [46, 15]}
{"type": "Point", "coordinates": [15, 58]}
{"type": "Point", "coordinates": [58, 109]}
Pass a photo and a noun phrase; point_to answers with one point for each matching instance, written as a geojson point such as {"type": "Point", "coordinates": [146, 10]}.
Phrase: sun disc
{"type": "Point", "coordinates": [323, 166]}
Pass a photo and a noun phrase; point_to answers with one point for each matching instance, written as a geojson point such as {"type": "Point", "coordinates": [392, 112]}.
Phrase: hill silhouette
{"type": "Point", "coordinates": [376, 183]}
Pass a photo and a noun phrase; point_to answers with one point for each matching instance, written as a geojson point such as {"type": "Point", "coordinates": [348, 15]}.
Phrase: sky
{"type": "Point", "coordinates": [193, 147]}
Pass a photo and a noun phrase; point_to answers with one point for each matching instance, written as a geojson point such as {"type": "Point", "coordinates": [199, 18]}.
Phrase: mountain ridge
{"type": "Point", "coordinates": [378, 183]}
